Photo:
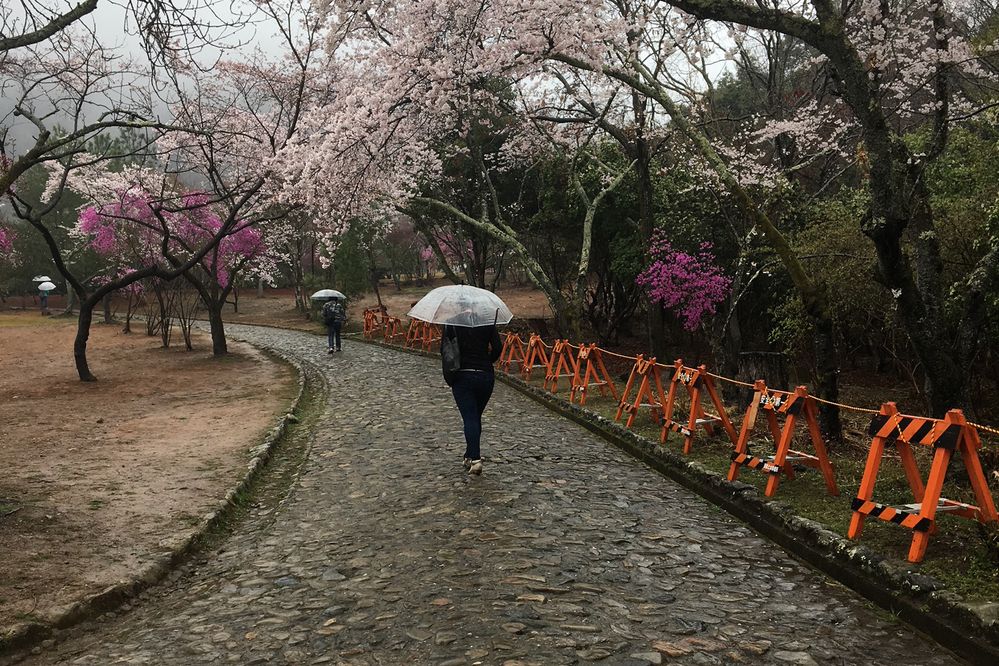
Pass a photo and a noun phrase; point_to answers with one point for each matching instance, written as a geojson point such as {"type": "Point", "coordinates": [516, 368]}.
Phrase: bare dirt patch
{"type": "Point", "coordinates": [277, 306]}
{"type": "Point", "coordinates": [95, 476]}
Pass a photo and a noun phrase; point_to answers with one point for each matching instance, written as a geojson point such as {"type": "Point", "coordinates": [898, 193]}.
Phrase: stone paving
{"type": "Point", "coordinates": [564, 551]}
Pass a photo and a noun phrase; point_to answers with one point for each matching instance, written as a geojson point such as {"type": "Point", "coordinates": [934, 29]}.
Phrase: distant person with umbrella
{"type": "Point", "coordinates": [472, 344]}
{"type": "Point", "coordinates": [334, 313]}
{"type": "Point", "coordinates": [43, 294]}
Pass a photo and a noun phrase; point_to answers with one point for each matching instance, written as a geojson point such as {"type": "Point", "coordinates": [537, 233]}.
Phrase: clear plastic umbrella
{"type": "Point", "coordinates": [327, 293]}
{"type": "Point", "coordinates": [461, 305]}
{"type": "Point", "coordinates": [41, 278]}
{"type": "Point", "coordinates": [46, 286]}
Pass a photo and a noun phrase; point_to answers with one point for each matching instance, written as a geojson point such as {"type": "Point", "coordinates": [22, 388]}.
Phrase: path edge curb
{"type": "Point", "coordinates": [26, 635]}
{"type": "Point", "coordinates": [918, 599]}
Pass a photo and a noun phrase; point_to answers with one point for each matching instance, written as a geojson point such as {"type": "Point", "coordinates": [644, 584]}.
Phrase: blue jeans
{"type": "Point", "coordinates": [471, 392]}
{"type": "Point", "coordinates": [334, 336]}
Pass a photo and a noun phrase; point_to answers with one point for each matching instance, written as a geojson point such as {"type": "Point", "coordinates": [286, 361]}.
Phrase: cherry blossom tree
{"type": "Point", "coordinates": [898, 66]}
{"type": "Point", "coordinates": [226, 122]}
{"type": "Point", "coordinates": [8, 257]}
{"type": "Point", "coordinates": [7, 237]}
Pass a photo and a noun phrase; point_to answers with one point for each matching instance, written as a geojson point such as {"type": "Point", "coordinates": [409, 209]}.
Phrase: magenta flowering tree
{"type": "Point", "coordinates": [689, 285]}
{"type": "Point", "coordinates": [170, 230]}
{"type": "Point", "coordinates": [242, 251]}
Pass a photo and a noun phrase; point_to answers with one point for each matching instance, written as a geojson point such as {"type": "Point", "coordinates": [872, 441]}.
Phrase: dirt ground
{"type": "Point", "coordinates": [277, 306]}
{"type": "Point", "coordinates": [96, 475]}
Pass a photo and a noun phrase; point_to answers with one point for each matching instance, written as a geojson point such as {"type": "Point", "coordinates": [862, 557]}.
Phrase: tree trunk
{"type": "Point", "coordinates": [771, 367]}
{"type": "Point", "coordinates": [826, 379]}
{"type": "Point", "coordinates": [219, 345]}
{"type": "Point", "coordinates": [82, 336]}
{"type": "Point", "coordinates": [107, 309]}
{"type": "Point", "coordinates": [655, 319]}
{"type": "Point", "coordinates": [166, 323]}
{"type": "Point", "coordinates": [373, 272]}
{"type": "Point", "coordinates": [70, 301]}
{"type": "Point", "coordinates": [260, 287]}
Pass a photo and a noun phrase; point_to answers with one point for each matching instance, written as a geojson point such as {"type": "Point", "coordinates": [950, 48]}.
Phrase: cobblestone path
{"type": "Point", "coordinates": [565, 551]}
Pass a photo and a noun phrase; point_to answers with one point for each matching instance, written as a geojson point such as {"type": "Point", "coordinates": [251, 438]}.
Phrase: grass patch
{"type": "Point", "coordinates": [31, 320]}
{"type": "Point", "coordinates": [28, 617]}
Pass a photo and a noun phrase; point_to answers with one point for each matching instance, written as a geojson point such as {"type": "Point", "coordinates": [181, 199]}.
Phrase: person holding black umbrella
{"type": "Point", "coordinates": [334, 316]}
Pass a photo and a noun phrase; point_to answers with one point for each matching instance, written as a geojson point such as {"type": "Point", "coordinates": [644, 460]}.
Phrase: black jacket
{"type": "Point", "coordinates": [480, 346]}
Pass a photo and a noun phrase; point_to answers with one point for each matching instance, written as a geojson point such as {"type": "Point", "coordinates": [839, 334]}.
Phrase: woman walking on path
{"type": "Point", "coordinates": [480, 347]}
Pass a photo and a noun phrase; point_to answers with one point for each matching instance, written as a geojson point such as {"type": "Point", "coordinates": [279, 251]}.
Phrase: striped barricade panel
{"type": "Point", "coordinates": [792, 406]}
{"type": "Point", "coordinates": [947, 436]}
{"type": "Point", "coordinates": [696, 381]}
{"type": "Point", "coordinates": [892, 515]}
{"type": "Point", "coordinates": [649, 392]}
{"type": "Point", "coordinates": [761, 464]}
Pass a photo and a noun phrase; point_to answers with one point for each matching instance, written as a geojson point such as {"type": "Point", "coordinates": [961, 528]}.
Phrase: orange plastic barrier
{"type": "Point", "coordinates": [414, 334]}
{"type": "Point", "coordinates": [513, 351]}
{"type": "Point", "coordinates": [695, 380]}
{"type": "Point", "coordinates": [794, 406]}
{"type": "Point", "coordinates": [431, 333]}
{"type": "Point", "coordinates": [392, 329]}
{"type": "Point", "coordinates": [535, 357]}
{"type": "Point", "coordinates": [947, 435]}
{"type": "Point", "coordinates": [371, 324]}
{"type": "Point", "coordinates": [561, 363]}
{"type": "Point", "coordinates": [650, 387]}
{"type": "Point", "coordinates": [595, 374]}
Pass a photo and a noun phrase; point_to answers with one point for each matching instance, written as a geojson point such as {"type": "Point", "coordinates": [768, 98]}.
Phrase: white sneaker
{"type": "Point", "coordinates": [475, 467]}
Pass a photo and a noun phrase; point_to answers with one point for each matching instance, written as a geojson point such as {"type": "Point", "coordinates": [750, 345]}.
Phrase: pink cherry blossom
{"type": "Point", "coordinates": [6, 242]}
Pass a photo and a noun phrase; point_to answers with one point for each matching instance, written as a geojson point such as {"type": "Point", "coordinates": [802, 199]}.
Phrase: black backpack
{"type": "Point", "coordinates": [329, 312]}
{"type": "Point", "coordinates": [450, 355]}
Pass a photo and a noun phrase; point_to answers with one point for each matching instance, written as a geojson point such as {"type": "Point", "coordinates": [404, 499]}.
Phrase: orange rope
{"type": "Point", "coordinates": [987, 429]}
{"type": "Point", "coordinates": [621, 356]}
{"type": "Point", "coordinates": [731, 381]}
{"type": "Point", "coordinates": [852, 408]}
{"type": "Point", "coordinates": [848, 407]}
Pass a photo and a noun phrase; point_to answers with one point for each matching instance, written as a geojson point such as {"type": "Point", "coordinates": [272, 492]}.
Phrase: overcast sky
{"type": "Point", "coordinates": [109, 21]}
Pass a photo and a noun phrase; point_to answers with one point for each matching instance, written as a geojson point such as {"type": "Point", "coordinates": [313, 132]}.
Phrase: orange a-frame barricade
{"type": "Point", "coordinates": [371, 324]}
{"type": "Point", "coordinates": [794, 406]}
{"type": "Point", "coordinates": [650, 386]}
{"type": "Point", "coordinates": [414, 334]}
{"type": "Point", "coordinates": [536, 356]}
{"type": "Point", "coordinates": [513, 351]}
{"type": "Point", "coordinates": [431, 333]}
{"type": "Point", "coordinates": [392, 329]}
{"type": "Point", "coordinates": [561, 363]}
{"type": "Point", "coordinates": [947, 435]}
{"type": "Point", "coordinates": [595, 374]}
{"type": "Point", "coordinates": [695, 380]}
